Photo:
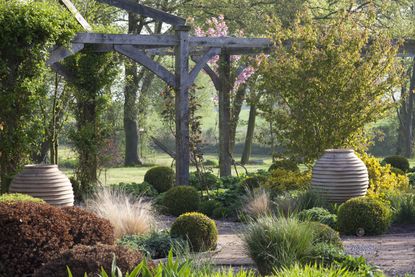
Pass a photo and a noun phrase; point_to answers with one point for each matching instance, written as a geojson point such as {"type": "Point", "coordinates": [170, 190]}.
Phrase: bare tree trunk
{"type": "Point", "coordinates": [236, 110]}
{"type": "Point", "coordinates": [130, 102]}
{"type": "Point", "coordinates": [406, 119]}
{"type": "Point", "coordinates": [225, 161]}
{"type": "Point", "coordinates": [249, 135]}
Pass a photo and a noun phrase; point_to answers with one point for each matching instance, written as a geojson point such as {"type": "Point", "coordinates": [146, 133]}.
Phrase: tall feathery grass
{"type": "Point", "coordinates": [277, 242]}
{"type": "Point", "coordinates": [258, 204]}
{"type": "Point", "coordinates": [128, 216]}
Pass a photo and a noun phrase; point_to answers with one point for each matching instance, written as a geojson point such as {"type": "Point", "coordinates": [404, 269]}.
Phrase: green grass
{"type": "Point", "coordinates": [117, 175]}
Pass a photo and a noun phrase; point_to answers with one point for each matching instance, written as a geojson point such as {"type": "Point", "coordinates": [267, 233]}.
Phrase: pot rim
{"type": "Point", "coordinates": [30, 166]}
{"type": "Point", "coordinates": [339, 150]}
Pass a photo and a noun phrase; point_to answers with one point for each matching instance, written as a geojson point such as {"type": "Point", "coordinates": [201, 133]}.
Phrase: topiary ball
{"type": "Point", "coordinates": [325, 234]}
{"type": "Point", "coordinates": [320, 215]}
{"type": "Point", "coordinates": [397, 161]}
{"type": "Point", "coordinates": [181, 199]}
{"type": "Point", "coordinates": [12, 197]}
{"type": "Point", "coordinates": [87, 228]}
{"type": "Point", "coordinates": [198, 229]}
{"type": "Point", "coordinates": [160, 177]}
{"type": "Point", "coordinates": [90, 259]}
{"type": "Point", "coordinates": [284, 164]}
{"type": "Point", "coordinates": [364, 213]}
{"type": "Point", "coordinates": [31, 234]}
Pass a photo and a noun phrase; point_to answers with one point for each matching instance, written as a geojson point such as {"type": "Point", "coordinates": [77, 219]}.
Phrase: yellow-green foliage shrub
{"type": "Point", "coordinates": [281, 180]}
{"type": "Point", "coordinates": [382, 180]}
{"type": "Point", "coordinates": [12, 197]}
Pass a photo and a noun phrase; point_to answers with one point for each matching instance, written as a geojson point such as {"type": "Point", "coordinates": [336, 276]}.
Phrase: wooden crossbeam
{"type": "Point", "coordinates": [125, 39]}
{"type": "Point", "coordinates": [81, 20]}
{"type": "Point", "coordinates": [140, 57]}
{"type": "Point", "coordinates": [230, 42]}
{"type": "Point", "coordinates": [63, 71]}
{"type": "Point", "coordinates": [146, 11]}
{"type": "Point", "coordinates": [201, 63]}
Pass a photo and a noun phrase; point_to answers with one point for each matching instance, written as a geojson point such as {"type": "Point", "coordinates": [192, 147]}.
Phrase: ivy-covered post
{"type": "Point", "coordinates": [225, 162]}
{"type": "Point", "coordinates": [182, 105]}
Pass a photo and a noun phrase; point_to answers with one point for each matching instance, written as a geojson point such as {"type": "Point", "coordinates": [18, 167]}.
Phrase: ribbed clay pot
{"type": "Point", "coordinates": [340, 175]}
{"type": "Point", "coordinates": [46, 182]}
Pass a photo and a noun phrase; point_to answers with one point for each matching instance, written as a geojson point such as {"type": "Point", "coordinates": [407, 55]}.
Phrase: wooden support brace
{"type": "Point", "coordinates": [63, 71]}
{"type": "Point", "coordinates": [126, 39]}
{"type": "Point", "coordinates": [60, 53]}
{"type": "Point", "coordinates": [140, 57]}
{"type": "Point", "coordinates": [145, 11]}
{"type": "Point", "coordinates": [201, 63]}
{"type": "Point", "coordinates": [81, 20]}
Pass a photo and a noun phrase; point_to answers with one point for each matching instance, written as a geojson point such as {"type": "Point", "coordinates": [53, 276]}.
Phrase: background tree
{"type": "Point", "coordinates": [27, 31]}
{"type": "Point", "coordinates": [327, 90]}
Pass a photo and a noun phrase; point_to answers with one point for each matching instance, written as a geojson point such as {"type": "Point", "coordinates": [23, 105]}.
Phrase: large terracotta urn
{"type": "Point", "coordinates": [46, 182]}
{"type": "Point", "coordinates": [340, 175]}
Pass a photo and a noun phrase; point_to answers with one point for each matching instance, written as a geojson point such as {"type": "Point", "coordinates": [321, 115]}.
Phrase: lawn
{"type": "Point", "coordinates": [116, 175]}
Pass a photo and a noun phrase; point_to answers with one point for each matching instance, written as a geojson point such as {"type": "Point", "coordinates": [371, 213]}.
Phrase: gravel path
{"type": "Point", "coordinates": [394, 252]}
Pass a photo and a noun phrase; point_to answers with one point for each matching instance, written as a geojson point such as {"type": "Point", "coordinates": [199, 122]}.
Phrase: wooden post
{"type": "Point", "coordinates": [225, 162]}
{"type": "Point", "coordinates": [182, 105]}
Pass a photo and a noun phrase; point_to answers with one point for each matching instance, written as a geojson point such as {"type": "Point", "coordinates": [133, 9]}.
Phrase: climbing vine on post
{"type": "Point", "coordinates": [94, 73]}
{"type": "Point", "coordinates": [27, 31]}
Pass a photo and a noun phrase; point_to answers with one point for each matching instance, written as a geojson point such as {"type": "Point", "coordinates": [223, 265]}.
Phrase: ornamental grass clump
{"type": "Point", "coordinates": [258, 204]}
{"type": "Point", "coordinates": [128, 217]}
{"type": "Point", "coordinates": [277, 242]}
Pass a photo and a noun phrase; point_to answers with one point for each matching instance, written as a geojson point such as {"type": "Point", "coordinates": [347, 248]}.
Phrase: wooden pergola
{"type": "Point", "coordinates": [183, 47]}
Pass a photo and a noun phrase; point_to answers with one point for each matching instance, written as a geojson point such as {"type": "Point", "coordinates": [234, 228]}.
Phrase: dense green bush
{"type": "Point", "coordinates": [31, 234]}
{"type": "Point", "coordinates": [222, 212]}
{"type": "Point", "coordinates": [277, 242]}
{"type": "Point", "coordinates": [198, 229]}
{"type": "Point", "coordinates": [90, 260]}
{"type": "Point", "coordinates": [208, 206]}
{"type": "Point", "coordinates": [369, 214]}
{"type": "Point", "coordinates": [396, 161]}
{"type": "Point", "coordinates": [181, 199]}
{"type": "Point", "coordinates": [411, 177]}
{"type": "Point", "coordinates": [325, 234]}
{"type": "Point", "coordinates": [87, 228]}
{"type": "Point", "coordinates": [160, 177]}
{"type": "Point", "coordinates": [203, 180]}
{"type": "Point", "coordinates": [281, 180]}
{"type": "Point", "coordinates": [403, 207]}
{"type": "Point", "coordinates": [155, 244]}
{"type": "Point", "coordinates": [325, 254]}
{"type": "Point", "coordinates": [12, 197]}
{"type": "Point", "coordinates": [284, 164]}
{"type": "Point", "coordinates": [136, 190]}
{"type": "Point", "coordinates": [320, 215]}
{"type": "Point", "coordinates": [77, 189]}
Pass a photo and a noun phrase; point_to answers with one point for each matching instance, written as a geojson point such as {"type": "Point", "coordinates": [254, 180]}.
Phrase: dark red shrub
{"type": "Point", "coordinates": [89, 259]}
{"type": "Point", "coordinates": [30, 235]}
{"type": "Point", "coordinates": [87, 228]}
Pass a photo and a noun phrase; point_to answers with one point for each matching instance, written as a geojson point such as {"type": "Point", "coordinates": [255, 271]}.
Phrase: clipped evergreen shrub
{"type": "Point", "coordinates": [284, 164]}
{"type": "Point", "coordinates": [160, 177]}
{"type": "Point", "coordinates": [366, 214]}
{"type": "Point", "coordinates": [87, 228]}
{"type": "Point", "coordinates": [31, 234]}
{"type": "Point", "coordinates": [181, 199]}
{"type": "Point", "coordinates": [325, 234]}
{"type": "Point", "coordinates": [90, 259]}
{"type": "Point", "coordinates": [198, 229]}
{"type": "Point", "coordinates": [12, 197]}
{"type": "Point", "coordinates": [397, 161]}
{"type": "Point", "coordinates": [320, 215]}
